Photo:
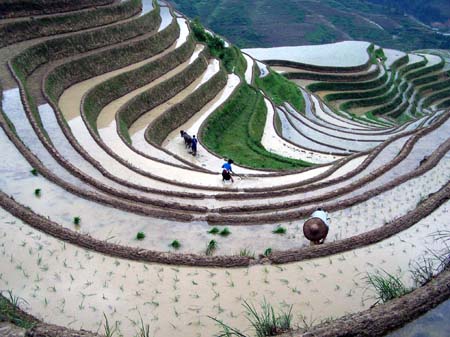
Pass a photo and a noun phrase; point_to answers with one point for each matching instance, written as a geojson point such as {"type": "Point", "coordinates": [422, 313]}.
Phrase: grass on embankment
{"type": "Point", "coordinates": [235, 131]}
{"type": "Point", "coordinates": [9, 312]}
{"type": "Point", "coordinates": [232, 59]}
{"type": "Point", "coordinates": [281, 90]}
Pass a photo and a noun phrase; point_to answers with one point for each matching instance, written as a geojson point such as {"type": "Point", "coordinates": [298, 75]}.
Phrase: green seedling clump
{"type": "Point", "coordinates": [34, 172]}
{"type": "Point", "coordinates": [247, 253]}
{"type": "Point", "coordinates": [267, 252]}
{"type": "Point", "coordinates": [225, 232]}
{"type": "Point", "coordinates": [140, 235]}
{"type": "Point", "coordinates": [175, 244]}
{"type": "Point", "coordinates": [77, 220]}
{"type": "Point", "coordinates": [10, 310]}
{"type": "Point", "coordinates": [37, 192]}
{"type": "Point", "coordinates": [386, 286]}
{"type": "Point", "coordinates": [211, 248]}
{"type": "Point", "coordinates": [214, 231]}
{"type": "Point", "coordinates": [279, 230]}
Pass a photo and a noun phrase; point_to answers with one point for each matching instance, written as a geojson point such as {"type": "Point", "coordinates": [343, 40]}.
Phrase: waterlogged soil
{"type": "Point", "coordinates": [118, 226]}
{"type": "Point", "coordinates": [293, 135]}
{"type": "Point", "coordinates": [341, 54]}
{"type": "Point", "coordinates": [309, 122]}
{"type": "Point", "coordinates": [249, 70]}
{"type": "Point", "coordinates": [177, 301]}
{"type": "Point", "coordinates": [309, 131]}
{"type": "Point", "coordinates": [422, 148]}
{"type": "Point", "coordinates": [433, 324]}
{"type": "Point", "coordinates": [69, 104]}
{"type": "Point", "coordinates": [272, 142]}
{"type": "Point", "coordinates": [107, 126]}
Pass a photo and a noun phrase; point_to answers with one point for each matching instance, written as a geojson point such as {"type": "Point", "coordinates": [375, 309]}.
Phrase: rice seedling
{"type": "Point", "coordinates": [34, 172]}
{"type": "Point", "coordinates": [225, 232]}
{"type": "Point", "coordinates": [108, 330]}
{"type": "Point", "coordinates": [387, 286]}
{"type": "Point", "coordinates": [144, 329]}
{"type": "Point", "coordinates": [175, 244]}
{"type": "Point", "coordinates": [140, 236]}
{"type": "Point", "coordinates": [422, 271]}
{"type": "Point", "coordinates": [76, 220]}
{"type": "Point", "coordinates": [279, 230]}
{"type": "Point", "coordinates": [37, 192]}
{"type": "Point", "coordinates": [211, 248]}
{"type": "Point", "coordinates": [265, 322]}
{"type": "Point", "coordinates": [214, 231]}
{"type": "Point", "coordinates": [227, 331]}
{"type": "Point", "coordinates": [247, 253]}
{"type": "Point", "coordinates": [267, 252]}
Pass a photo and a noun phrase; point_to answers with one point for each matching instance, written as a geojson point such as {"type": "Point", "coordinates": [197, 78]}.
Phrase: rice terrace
{"type": "Point", "coordinates": [158, 180]}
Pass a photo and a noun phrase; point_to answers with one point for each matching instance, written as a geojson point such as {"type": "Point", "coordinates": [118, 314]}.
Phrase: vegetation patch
{"type": "Point", "coordinates": [231, 57]}
{"type": "Point", "coordinates": [235, 131]}
{"type": "Point", "coordinates": [386, 286]}
{"type": "Point", "coordinates": [9, 310]}
{"type": "Point", "coordinates": [140, 236]}
{"type": "Point", "coordinates": [265, 321]}
{"type": "Point", "coordinates": [281, 90]}
{"type": "Point", "coordinates": [175, 244]}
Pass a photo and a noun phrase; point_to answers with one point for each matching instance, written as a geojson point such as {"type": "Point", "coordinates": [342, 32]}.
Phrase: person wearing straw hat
{"type": "Point", "coordinates": [316, 228]}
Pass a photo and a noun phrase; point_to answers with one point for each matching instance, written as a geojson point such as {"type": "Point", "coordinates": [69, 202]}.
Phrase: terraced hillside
{"type": "Point", "coordinates": [108, 224]}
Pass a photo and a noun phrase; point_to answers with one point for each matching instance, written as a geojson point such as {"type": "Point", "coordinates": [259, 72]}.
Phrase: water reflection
{"type": "Point", "coordinates": [434, 323]}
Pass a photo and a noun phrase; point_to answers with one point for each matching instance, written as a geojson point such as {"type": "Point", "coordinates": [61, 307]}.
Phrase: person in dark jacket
{"type": "Point", "coordinates": [194, 145]}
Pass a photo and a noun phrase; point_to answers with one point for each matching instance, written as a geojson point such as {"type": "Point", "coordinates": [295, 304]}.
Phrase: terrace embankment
{"type": "Point", "coordinates": [97, 182]}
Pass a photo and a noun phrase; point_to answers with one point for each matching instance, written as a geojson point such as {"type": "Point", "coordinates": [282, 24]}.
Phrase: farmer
{"type": "Point", "coordinates": [227, 170]}
{"type": "Point", "coordinates": [194, 145]}
{"type": "Point", "coordinates": [316, 228]}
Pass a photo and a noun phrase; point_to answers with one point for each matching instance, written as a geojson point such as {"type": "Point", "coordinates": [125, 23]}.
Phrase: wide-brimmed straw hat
{"type": "Point", "coordinates": [315, 229]}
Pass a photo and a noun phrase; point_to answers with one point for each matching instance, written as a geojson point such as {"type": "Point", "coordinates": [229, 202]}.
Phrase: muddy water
{"type": "Point", "coordinates": [117, 226]}
{"type": "Point", "coordinates": [249, 70]}
{"type": "Point", "coordinates": [166, 18]}
{"type": "Point", "coordinates": [12, 106]}
{"type": "Point", "coordinates": [386, 155]}
{"type": "Point", "coordinates": [310, 131]}
{"type": "Point", "coordinates": [433, 324]}
{"type": "Point", "coordinates": [148, 117]}
{"type": "Point", "coordinates": [263, 70]}
{"type": "Point", "coordinates": [107, 126]}
{"type": "Point", "coordinates": [326, 121]}
{"type": "Point", "coordinates": [114, 225]}
{"type": "Point", "coordinates": [281, 70]}
{"type": "Point", "coordinates": [147, 6]}
{"type": "Point", "coordinates": [177, 301]}
{"type": "Point", "coordinates": [422, 148]}
{"type": "Point", "coordinates": [333, 119]}
{"type": "Point", "coordinates": [290, 133]}
{"type": "Point", "coordinates": [69, 104]}
{"type": "Point", "coordinates": [64, 147]}
{"type": "Point", "coordinates": [273, 143]}
{"type": "Point", "coordinates": [311, 122]}
{"type": "Point", "coordinates": [379, 210]}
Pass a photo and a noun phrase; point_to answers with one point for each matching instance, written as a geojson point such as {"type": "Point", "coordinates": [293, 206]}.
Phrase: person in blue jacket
{"type": "Point", "coordinates": [227, 170]}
